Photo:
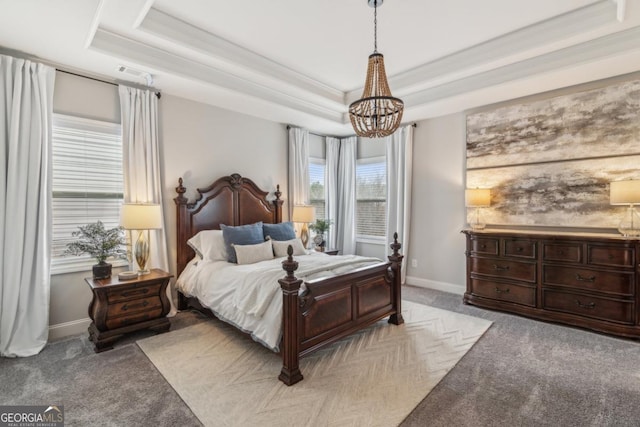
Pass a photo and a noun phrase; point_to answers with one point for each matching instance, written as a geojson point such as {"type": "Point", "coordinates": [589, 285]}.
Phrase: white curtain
{"type": "Point", "coordinates": [346, 180]}
{"type": "Point", "coordinates": [142, 180]}
{"type": "Point", "coordinates": [298, 167]}
{"type": "Point", "coordinates": [399, 147]}
{"type": "Point", "coordinates": [26, 103]}
{"type": "Point", "coordinates": [331, 206]}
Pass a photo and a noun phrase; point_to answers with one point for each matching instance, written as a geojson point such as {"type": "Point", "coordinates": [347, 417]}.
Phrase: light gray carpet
{"type": "Point", "coordinates": [372, 378]}
{"type": "Point", "coordinates": [521, 372]}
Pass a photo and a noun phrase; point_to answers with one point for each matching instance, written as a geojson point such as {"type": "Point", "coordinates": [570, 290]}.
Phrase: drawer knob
{"type": "Point", "coordinates": [588, 306]}
{"type": "Point", "coordinates": [483, 246]}
{"type": "Point", "coordinates": [561, 252]}
{"type": "Point", "coordinates": [500, 267]}
{"type": "Point", "coordinates": [589, 279]}
{"type": "Point", "coordinates": [519, 249]}
{"type": "Point", "coordinates": [142, 304]}
{"type": "Point", "coordinates": [502, 291]}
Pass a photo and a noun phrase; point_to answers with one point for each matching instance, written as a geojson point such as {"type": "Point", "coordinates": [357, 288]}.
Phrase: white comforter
{"type": "Point", "coordinates": [249, 296]}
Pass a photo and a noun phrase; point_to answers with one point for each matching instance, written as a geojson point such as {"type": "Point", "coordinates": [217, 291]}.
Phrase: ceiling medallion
{"type": "Point", "coordinates": [377, 113]}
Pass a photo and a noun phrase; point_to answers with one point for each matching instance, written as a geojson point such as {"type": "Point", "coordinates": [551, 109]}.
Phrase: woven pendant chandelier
{"type": "Point", "coordinates": [377, 114]}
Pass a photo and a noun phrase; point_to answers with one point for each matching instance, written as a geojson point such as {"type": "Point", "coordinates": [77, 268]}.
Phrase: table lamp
{"type": "Point", "coordinates": [627, 193]}
{"type": "Point", "coordinates": [477, 198]}
{"type": "Point", "coordinates": [142, 217]}
{"type": "Point", "coordinates": [304, 214]}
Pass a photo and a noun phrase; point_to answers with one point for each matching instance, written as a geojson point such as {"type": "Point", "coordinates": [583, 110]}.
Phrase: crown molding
{"type": "Point", "coordinates": [190, 37]}
{"type": "Point", "coordinates": [151, 57]}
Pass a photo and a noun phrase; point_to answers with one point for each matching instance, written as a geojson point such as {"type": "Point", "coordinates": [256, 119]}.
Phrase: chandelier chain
{"type": "Point", "coordinates": [375, 26]}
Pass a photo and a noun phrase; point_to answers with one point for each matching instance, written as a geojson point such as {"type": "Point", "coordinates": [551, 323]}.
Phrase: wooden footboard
{"type": "Point", "coordinates": [332, 308]}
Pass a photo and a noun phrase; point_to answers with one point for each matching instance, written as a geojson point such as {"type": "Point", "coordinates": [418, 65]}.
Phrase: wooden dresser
{"type": "Point", "coordinates": [582, 279]}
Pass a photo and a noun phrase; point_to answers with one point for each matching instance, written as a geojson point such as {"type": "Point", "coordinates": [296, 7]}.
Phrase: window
{"type": "Point", "coordinates": [316, 182]}
{"type": "Point", "coordinates": [87, 183]}
{"type": "Point", "coordinates": [371, 193]}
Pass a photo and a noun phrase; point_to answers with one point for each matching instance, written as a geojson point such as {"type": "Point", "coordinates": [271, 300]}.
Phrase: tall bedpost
{"type": "Point", "coordinates": [182, 254]}
{"type": "Point", "coordinates": [278, 204]}
{"type": "Point", "coordinates": [396, 267]}
{"type": "Point", "coordinates": [290, 373]}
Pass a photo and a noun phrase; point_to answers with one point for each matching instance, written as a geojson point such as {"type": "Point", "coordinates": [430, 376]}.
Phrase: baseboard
{"type": "Point", "coordinates": [66, 329]}
{"type": "Point", "coordinates": [433, 284]}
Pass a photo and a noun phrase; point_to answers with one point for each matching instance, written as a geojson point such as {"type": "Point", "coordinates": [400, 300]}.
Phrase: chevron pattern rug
{"type": "Point", "coordinates": [373, 378]}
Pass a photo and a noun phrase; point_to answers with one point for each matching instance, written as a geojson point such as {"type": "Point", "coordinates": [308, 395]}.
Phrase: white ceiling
{"type": "Point", "coordinates": [302, 62]}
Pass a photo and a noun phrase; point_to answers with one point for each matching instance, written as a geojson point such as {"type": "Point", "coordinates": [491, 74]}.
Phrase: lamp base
{"type": "Point", "coordinates": [142, 254]}
{"type": "Point", "coordinates": [630, 224]}
{"type": "Point", "coordinates": [478, 226]}
{"type": "Point", "coordinates": [304, 235]}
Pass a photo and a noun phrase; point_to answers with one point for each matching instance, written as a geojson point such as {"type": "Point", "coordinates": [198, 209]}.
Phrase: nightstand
{"type": "Point", "coordinates": [119, 307]}
{"type": "Point", "coordinates": [331, 251]}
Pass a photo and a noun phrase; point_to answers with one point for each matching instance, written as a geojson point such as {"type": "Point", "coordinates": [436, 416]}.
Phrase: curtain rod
{"type": "Point", "coordinates": [158, 94]}
{"type": "Point", "coordinates": [414, 124]}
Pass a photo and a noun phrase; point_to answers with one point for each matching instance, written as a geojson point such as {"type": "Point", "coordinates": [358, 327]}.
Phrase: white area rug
{"type": "Point", "coordinates": [373, 378]}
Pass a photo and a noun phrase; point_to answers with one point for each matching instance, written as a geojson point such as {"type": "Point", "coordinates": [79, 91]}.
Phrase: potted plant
{"type": "Point", "coordinates": [100, 243]}
{"type": "Point", "coordinates": [320, 227]}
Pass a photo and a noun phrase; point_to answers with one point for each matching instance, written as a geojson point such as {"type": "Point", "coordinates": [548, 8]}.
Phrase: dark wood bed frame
{"type": "Point", "coordinates": [329, 309]}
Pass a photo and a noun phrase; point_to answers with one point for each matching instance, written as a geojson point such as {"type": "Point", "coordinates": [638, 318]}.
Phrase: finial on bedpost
{"type": "Point", "coordinates": [277, 203]}
{"type": "Point", "coordinates": [290, 373]}
{"type": "Point", "coordinates": [278, 193]}
{"type": "Point", "coordinates": [396, 268]}
{"type": "Point", "coordinates": [180, 199]}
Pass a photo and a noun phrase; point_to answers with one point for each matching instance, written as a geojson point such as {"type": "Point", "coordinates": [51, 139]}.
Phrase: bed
{"type": "Point", "coordinates": [314, 313]}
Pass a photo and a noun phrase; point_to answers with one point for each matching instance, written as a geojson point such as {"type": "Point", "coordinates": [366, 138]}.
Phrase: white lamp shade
{"type": "Point", "coordinates": [141, 216]}
{"type": "Point", "coordinates": [477, 197]}
{"type": "Point", "coordinates": [625, 192]}
{"type": "Point", "coordinates": [304, 213]}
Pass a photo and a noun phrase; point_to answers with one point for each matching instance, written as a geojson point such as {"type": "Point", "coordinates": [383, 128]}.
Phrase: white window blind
{"type": "Point", "coordinates": [87, 183]}
{"type": "Point", "coordinates": [371, 193]}
{"type": "Point", "coordinates": [316, 182]}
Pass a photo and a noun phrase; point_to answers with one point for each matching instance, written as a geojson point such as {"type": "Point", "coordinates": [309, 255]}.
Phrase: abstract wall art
{"type": "Point", "coordinates": [549, 162]}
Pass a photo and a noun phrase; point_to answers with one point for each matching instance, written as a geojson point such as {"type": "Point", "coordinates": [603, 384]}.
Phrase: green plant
{"type": "Point", "coordinates": [100, 243]}
{"type": "Point", "coordinates": [321, 226]}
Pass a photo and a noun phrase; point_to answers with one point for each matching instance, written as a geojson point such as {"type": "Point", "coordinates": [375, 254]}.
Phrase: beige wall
{"type": "Point", "coordinates": [437, 204]}
{"type": "Point", "coordinates": [199, 143]}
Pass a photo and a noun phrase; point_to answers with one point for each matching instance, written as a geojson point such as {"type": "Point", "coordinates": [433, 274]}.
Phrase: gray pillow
{"type": "Point", "coordinates": [250, 234]}
{"type": "Point", "coordinates": [280, 232]}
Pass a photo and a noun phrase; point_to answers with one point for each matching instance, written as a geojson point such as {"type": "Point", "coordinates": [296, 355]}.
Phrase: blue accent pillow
{"type": "Point", "coordinates": [282, 231]}
{"type": "Point", "coordinates": [250, 234]}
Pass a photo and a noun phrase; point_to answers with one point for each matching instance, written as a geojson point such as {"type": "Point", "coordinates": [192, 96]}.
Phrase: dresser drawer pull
{"type": "Point", "coordinates": [502, 291]}
{"type": "Point", "coordinates": [500, 267]}
{"type": "Point", "coordinates": [589, 306]}
{"type": "Point", "coordinates": [519, 249]}
{"type": "Point", "coordinates": [483, 246]}
{"type": "Point", "coordinates": [142, 304]}
{"type": "Point", "coordinates": [580, 278]}
{"type": "Point", "coordinates": [135, 292]}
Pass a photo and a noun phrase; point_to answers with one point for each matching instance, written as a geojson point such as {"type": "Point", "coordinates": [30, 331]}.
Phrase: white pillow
{"type": "Point", "coordinates": [280, 247]}
{"type": "Point", "coordinates": [249, 254]}
{"type": "Point", "coordinates": [209, 245]}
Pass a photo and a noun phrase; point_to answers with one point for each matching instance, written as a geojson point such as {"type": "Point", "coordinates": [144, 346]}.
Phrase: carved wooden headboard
{"type": "Point", "coordinates": [230, 200]}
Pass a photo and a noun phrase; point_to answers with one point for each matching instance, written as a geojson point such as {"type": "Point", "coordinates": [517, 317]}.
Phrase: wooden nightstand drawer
{"type": "Point", "coordinates": [506, 269]}
{"type": "Point", "coordinates": [611, 282]}
{"type": "Point", "coordinates": [518, 294]}
{"type": "Point", "coordinates": [610, 256]}
{"type": "Point", "coordinates": [134, 306]}
{"type": "Point", "coordinates": [564, 252]}
{"type": "Point", "coordinates": [586, 305]}
{"type": "Point", "coordinates": [520, 248]}
{"type": "Point", "coordinates": [125, 294]}
{"type": "Point", "coordinates": [485, 246]}
{"type": "Point", "coordinates": [120, 322]}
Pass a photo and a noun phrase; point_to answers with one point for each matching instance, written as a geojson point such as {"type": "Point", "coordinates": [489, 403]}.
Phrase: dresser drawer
{"type": "Point", "coordinates": [119, 322]}
{"type": "Point", "coordinates": [506, 269]}
{"type": "Point", "coordinates": [485, 246]}
{"type": "Point", "coordinates": [618, 283]}
{"type": "Point", "coordinates": [134, 306]}
{"type": "Point", "coordinates": [564, 252]}
{"type": "Point", "coordinates": [520, 248]}
{"type": "Point", "coordinates": [585, 305]}
{"type": "Point", "coordinates": [125, 294]}
{"type": "Point", "coordinates": [610, 256]}
{"type": "Point", "coordinates": [518, 294]}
